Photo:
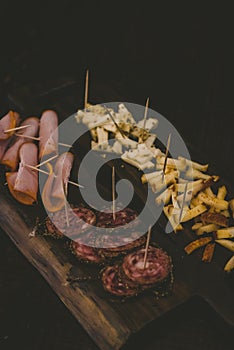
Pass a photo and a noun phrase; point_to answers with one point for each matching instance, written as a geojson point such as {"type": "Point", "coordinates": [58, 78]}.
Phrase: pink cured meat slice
{"type": "Point", "coordinates": [11, 156]}
{"type": "Point", "coordinates": [158, 266]}
{"type": "Point", "coordinates": [113, 285]}
{"type": "Point", "coordinates": [27, 179]}
{"type": "Point", "coordinates": [48, 144]}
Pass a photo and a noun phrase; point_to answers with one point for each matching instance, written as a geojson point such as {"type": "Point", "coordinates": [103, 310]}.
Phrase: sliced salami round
{"type": "Point", "coordinates": [114, 285]}
{"type": "Point", "coordinates": [122, 217]}
{"type": "Point", "coordinates": [57, 226]}
{"type": "Point", "coordinates": [86, 252]}
{"type": "Point", "coordinates": [119, 243]}
{"type": "Point", "coordinates": [157, 269]}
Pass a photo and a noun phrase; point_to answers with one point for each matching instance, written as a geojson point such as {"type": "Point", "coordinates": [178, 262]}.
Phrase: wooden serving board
{"type": "Point", "coordinates": [110, 321]}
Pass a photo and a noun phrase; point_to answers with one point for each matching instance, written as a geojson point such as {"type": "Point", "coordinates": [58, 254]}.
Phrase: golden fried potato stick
{"type": "Point", "coordinates": [197, 244]}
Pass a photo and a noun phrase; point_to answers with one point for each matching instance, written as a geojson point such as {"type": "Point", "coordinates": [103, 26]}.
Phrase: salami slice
{"type": "Point", "coordinates": [122, 218]}
{"type": "Point", "coordinates": [115, 244]}
{"type": "Point", "coordinates": [113, 285]}
{"type": "Point", "coordinates": [82, 248]}
{"type": "Point", "coordinates": [158, 267]}
{"type": "Point", "coordinates": [56, 224]}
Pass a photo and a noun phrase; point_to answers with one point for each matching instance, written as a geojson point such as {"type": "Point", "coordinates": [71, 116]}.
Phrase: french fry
{"type": "Point", "coordinates": [225, 233]}
{"type": "Point", "coordinates": [175, 225]}
{"type": "Point", "coordinates": [102, 136]}
{"type": "Point", "coordinates": [208, 252]}
{"type": "Point", "coordinates": [195, 201]}
{"type": "Point", "coordinates": [220, 204]}
{"type": "Point", "coordinates": [164, 197]}
{"type": "Point", "coordinates": [229, 265]}
{"type": "Point", "coordinates": [214, 218]}
{"type": "Point", "coordinates": [196, 226]}
{"type": "Point", "coordinates": [178, 164]}
{"type": "Point", "coordinates": [180, 187]}
{"type": "Point", "coordinates": [231, 205]}
{"type": "Point", "coordinates": [195, 165]}
{"type": "Point", "coordinates": [147, 177]}
{"type": "Point", "coordinates": [226, 243]}
{"type": "Point", "coordinates": [206, 229]}
{"type": "Point", "coordinates": [197, 244]}
{"type": "Point", "coordinates": [225, 213]}
{"type": "Point", "coordinates": [222, 192]}
{"type": "Point", "coordinates": [192, 213]}
{"type": "Point", "coordinates": [210, 193]}
{"type": "Point", "coordinates": [196, 174]}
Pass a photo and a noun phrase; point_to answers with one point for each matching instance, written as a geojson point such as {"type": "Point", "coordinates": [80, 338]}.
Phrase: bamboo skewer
{"type": "Point", "coordinates": [146, 111]}
{"type": "Point", "coordinates": [17, 128]}
{"type": "Point", "coordinates": [147, 247]}
{"type": "Point", "coordinates": [86, 89]}
{"type": "Point", "coordinates": [166, 154]}
{"type": "Point", "coordinates": [113, 193]}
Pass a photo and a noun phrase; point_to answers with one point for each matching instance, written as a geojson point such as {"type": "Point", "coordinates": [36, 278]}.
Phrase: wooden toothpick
{"type": "Point", "coordinates": [37, 169]}
{"type": "Point", "coordinates": [27, 136]}
{"type": "Point", "coordinates": [75, 184]}
{"type": "Point", "coordinates": [183, 201]}
{"type": "Point", "coordinates": [166, 155]}
{"type": "Point", "coordinates": [17, 128]}
{"type": "Point", "coordinates": [146, 111]}
{"type": "Point", "coordinates": [46, 161]}
{"type": "Point", "coordinates": [113, 192]}
{"type": "Point", "coordinates": [66, 208]}
{"type": "Point", "coordinates": [117, 126]}
{"type": "Point", "coordinates": [86, 89]}
{"type": "Point", "coordinates": [147, 246]}
{"type": "Point", "coordinates": [64, 144]}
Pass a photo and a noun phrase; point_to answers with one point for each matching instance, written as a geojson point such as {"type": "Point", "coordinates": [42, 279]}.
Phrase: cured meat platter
{"type": "Point", "coordinates": [112, 321]}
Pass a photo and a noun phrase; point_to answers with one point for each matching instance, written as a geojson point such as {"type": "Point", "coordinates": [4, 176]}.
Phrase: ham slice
{"type": "Point", "coordinates": [48, 145]}
{"type": "Point", "coordinates": [6, 140]}
{"type": "Point", "coordinates": [11, 156]}
{"type": "Point", "coordinates": [53, 192]}
{"type": "Point", "coordinates": [9, 121]}
{"type": "Point", "coordinates": [23, 184]}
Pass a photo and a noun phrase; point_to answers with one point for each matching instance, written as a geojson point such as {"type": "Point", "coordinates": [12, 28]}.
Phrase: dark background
{"type": "Point", "coordinates": [181, 57]}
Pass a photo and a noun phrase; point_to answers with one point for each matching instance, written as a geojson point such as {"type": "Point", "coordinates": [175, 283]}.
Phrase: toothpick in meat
{"type": "Point", "coordinates": [17, 128]}
{"type": "Point", "coordinates": [65, 203]}
{"type": "Point", "coordinates": [28, 137]}
{"type": "Point", "coordinates": [113, 193]}
{"type": "Point", "coordinates": [46, 161]}
{"type": "Point", "coordinates": [64, 144]}
{"type": "Point", "coordinates": [147, 247]}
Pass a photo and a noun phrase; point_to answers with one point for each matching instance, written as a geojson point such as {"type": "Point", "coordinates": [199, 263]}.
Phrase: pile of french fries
{"type": "Point", "coordinates": [185, 191]}
{"type": "Point", "coordinates": [183, 188]}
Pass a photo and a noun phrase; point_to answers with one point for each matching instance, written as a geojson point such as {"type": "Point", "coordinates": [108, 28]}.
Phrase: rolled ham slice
{"type": "Point", "coordinates": [53, 195]}
{"type": "Point", "coordinates": [23, 184]}
{"type": "Point", "coordinates": [48, 145]}
{"type": "Point", "coordinates": [11, 156]}
{"type": "Point", "coordinates": [5, 142]}
{"type": "Point", "coordinates": [9, 121]}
